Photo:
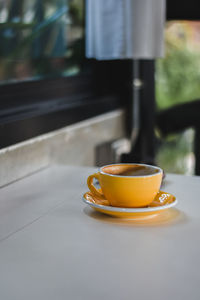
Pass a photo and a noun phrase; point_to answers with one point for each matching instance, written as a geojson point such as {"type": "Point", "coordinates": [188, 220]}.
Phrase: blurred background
{"type": "Point", "coordinates": [46, 82]}
{"type": "Point", "coordinates": [40, 39]}
{"type": "Point", "coordinates": [177, 81]}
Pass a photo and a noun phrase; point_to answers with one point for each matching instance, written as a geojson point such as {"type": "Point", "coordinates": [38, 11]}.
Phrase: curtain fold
{"type": "Point", "coordinates": [120, 29]}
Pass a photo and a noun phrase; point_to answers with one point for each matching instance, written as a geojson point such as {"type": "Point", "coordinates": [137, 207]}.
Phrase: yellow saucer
{"type": "Point", "coordinates": [161, 202]}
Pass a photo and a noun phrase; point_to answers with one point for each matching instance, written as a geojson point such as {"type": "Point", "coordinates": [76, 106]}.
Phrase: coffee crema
{"type": "Point", "coordinates": [129, 170]}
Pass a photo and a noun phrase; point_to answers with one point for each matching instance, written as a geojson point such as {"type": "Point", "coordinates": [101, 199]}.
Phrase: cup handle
{"type": "Point", "coordinates": [92, 188]}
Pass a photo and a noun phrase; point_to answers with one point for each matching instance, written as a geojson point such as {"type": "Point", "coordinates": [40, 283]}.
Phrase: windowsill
{"type": "Point", "coordinates": [72, 145]}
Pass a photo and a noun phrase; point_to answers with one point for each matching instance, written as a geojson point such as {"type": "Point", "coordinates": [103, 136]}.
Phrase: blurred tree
{"type": "Point", "coordinates": [178, 73]}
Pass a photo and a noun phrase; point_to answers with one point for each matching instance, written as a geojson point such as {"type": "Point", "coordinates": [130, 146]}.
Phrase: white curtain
{"type": "Point", "coordinates": [119, 29]}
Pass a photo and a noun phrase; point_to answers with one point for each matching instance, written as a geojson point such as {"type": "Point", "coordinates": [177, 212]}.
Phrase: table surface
{"type": "Point", "coordinates": [52, 246]}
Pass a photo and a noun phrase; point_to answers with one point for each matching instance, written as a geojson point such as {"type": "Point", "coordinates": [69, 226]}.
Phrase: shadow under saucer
{"type": "Point", "coordinates": [163, 218]}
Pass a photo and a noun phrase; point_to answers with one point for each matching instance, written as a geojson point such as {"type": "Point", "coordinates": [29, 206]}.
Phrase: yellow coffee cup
{"type": "Point", "coordinates": [127, 185]}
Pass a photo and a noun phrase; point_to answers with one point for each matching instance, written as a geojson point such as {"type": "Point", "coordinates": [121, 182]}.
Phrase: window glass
{"type": "Point", "coordinates": [178, 73]}
{"type": "Point", "coordinates": [178, 81]}
{"type": "Point", "coordinates": [40, 39]}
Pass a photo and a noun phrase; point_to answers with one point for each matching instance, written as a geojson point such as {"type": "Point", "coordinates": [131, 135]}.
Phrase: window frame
{"type": "Point", "coordinates": [29, 109]}
{"type": "Point", "coordinates": [182, 10]}
{"type": "Point", "coordinates": [34, 107]}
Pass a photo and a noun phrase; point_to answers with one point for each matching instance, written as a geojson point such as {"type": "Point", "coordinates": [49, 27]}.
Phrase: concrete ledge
{"type": "Point", "coordinates": [72, 145]}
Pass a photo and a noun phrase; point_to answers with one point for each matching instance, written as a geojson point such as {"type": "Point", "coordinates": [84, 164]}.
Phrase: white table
{"type": "Point", "coordinates": [53, 247]}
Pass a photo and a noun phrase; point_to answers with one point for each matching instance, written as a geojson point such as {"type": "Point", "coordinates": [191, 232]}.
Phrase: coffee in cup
{"type": "Point", "coordinates": [127, 185]}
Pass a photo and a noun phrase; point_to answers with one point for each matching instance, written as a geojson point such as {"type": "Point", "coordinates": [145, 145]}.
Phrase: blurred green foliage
{"type": "Point", "coordinates": [175, 154]}
{"type": "Point", "coordinates": [178, 81]}
{"type": "Point", "coordinates": [178, 73]}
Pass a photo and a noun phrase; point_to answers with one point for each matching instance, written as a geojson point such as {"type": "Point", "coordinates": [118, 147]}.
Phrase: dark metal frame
{"type": "Point", "coordinates": [31, 108]}
{"type": "Point", "coordinates": [183, 10]}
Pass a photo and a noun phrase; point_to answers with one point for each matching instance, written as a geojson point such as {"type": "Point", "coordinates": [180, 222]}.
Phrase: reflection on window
{"type": "Point", "coordinates": [40, 38]}
{"type": "Point", "coordinates": [178, 81]}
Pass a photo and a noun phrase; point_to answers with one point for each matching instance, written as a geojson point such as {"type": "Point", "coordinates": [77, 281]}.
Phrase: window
{"type": "Point", "coordinates": [40, 39]}
{"type": "Point", "coordinates": [45, 80]}
{"type": "Point", "coordinates": [177, 82]}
